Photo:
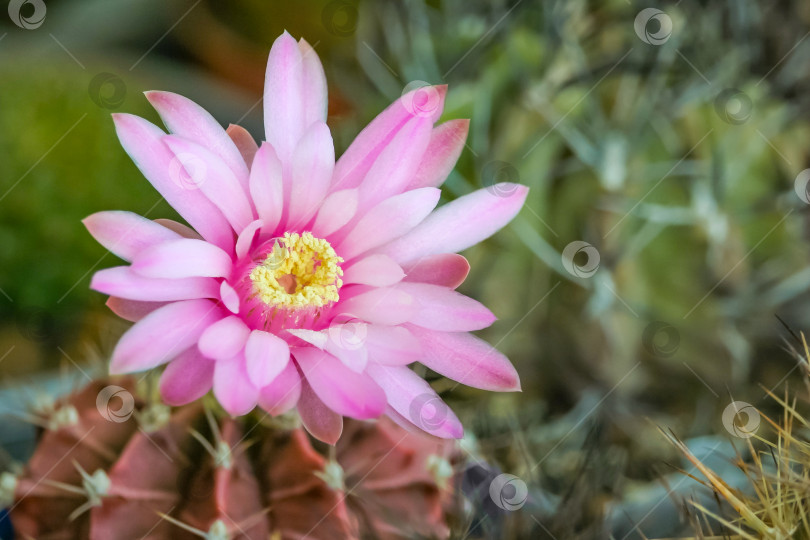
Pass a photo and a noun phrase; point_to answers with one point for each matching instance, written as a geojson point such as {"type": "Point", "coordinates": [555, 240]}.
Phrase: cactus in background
{"type": "Point", "coordinates": [112, 464]}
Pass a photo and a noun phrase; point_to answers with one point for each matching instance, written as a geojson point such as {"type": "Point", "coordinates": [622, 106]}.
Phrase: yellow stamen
{"type": "Point", "coordinates": [300, 271]}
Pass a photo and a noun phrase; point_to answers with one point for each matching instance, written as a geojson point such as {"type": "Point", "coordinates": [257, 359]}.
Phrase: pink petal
{"type": "Point", "coordinates": [353, 355]}
{"type": "Point", "coordinates": [244, 142]}
{"type": "Point", "coordinates": [267, 355]}
{"type": "Point", "coordinates": [187, 378]}
{"type": "Point", "coordinates": [132, 310]}
{"type": "Point", "coordinates": [246, 237]}
{"type": "Point", "coordinates": [424, 101]}
{"type": "Point", "coordinates": [266, 187]}
{"type": "Point", "coordinates": [341, 389]}
{"type": "Point", "coordinates": [229, 297]}
{"type": "Point", "coordinates": [380, 306]}
{"type": "Point", "coordinates": [185, 118]}
{"type": "Point", "coordinates": [314, 85]}
{"type": "Point", "coordinates": [389, 220]}
{"type": "Point", "coordinates": [284, 115]}
{"type": "Point", "coordinates": [126, 234]}
{"type": "Point", "coordinates": [183, 230]}
{"type": "Point", "coordinates": [162, 335]}
{"type": "Point", "coordinates": [414, 399]}
{"type": "Point", "coordinates": [446, 310]}
{"type": "Point", "coordinates": [122, 282]}
{"type": "Point", "coordinates": [445, 146]}
{"type": "Point", "coordinates": [466, 359]}
{"type": "Point", "coordinates": [142, 141]}
{"type": "Point", "coordinates": [354, 359]}
{"type": "Point", "coordinates": [445, 269]}
{"type": "Point", "coordinates": [461, 223]}
{"type": "Point", "coordinates": [232, 387]}
{"type": "Point", "coordinates": [401, 421]}
{"type": "Point", "coordinates": [344, 341]}
{"type": "Point", "coordinates": [312, 165]}
{"type": "Point", "coordinates": [376, 270]}
{"type": "Point", "coordinates": [396, 166]}
{"type": "Point", "coordinates": [355, 163]}
{"type": "Point", "coordinates": [391, 345]}
{"type": "Point", "coordinates": [224, 339]}
{"type": "Point", "coordinates": [313, 337]}
{"type": "Point", "coordinates": [282, 394]}
{"type": "Point", "coordinates": [209, 174]}
{"type": "Point", "coordinates": [337, 210]}
{"type": "Point", "coordinates": [322, 422]}
{"type": "Point", "coordinates": [183, 258]}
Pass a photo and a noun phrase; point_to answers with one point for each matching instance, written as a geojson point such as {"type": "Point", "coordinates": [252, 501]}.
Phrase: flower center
{"type": "Point", "coordinates": [300, 271]}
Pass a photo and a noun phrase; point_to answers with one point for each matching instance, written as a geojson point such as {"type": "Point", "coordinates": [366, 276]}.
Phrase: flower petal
{"type": "Point", "coordinates": [388, 220]}
{"type": "Point", "coordinates": [445, 269]}
{"type": "Point", "coordinates": [414, 399]}
{"type": "Point", "coordinates": [208, 173]}
{"type": "Point", "coordinates": [132, 310]}
{"type": "Point", "coordinates": [314, 85]}
{"type": "Point", "coordinates": [283, 393]}
{"type": "Point", "coordinates": [391, 345]}
{"type": "Point", "coordinates": [353, 355]}
{"type": "Point", "coordinates": [460, 224]}
{"type": "Point", "coordinates": [337, 210]}
{"type": "Point", "coordinates": [322, 422]}
{"type": "Point", "coordinates": [183, 230]}
{"type": "Point", "coordinates": [401, 421]}
{"type": "Point", "coordinates": [126, 234]}
{"type": "Point", "coordinates": [375, 270]}
{"type": "Point", "coordinates": [246, 237]}
{"type": "Point", "coordinates": [356, 161]}
{"type": "Point", "coordinates": [343, 341]}
{"type": "Point", "coordinates": [224, 339]}
{"type": "Point", "coordinates": [232, 386]}
{"type": "Point", "coordinates": [380, 306]}
{"type": "Point", "coordinates": [187, 378]}
{"type": "Point", "coordinates": [396, 165]}
{"type": "Point", "coordinates": [284, 115]}
{"type": "Point", "coordinates": [267, 355]}
{"type": "Point", "coordinates": [182, 259]}
{"type": "Point", "coordinates": [229, 297]}
{"type": "Point", "coordinates": [187, 119]}
{"type": "Point", "coordinates": [122, 282]}
{"type": "Point", "coordinates": [312, 165]}
{"type": "Point", "coordinates": [445, 146]}
{"type": "Point", "coordinates": [466, 359]}
{"type": "Point", "coordinates": [313, 337]}
{"type": "Point", "coordinates": [244, 142]}
{"type": "Point", "coordinates": [341, 389]}
{"type": "Point", "coordinates": [142, 141]}
{"type": "Point", "coordinates": [162, 335]}
{"type": "Point", "coordinates": [266, 187]}
{"type": "Point", "coordinates": [446, 310]}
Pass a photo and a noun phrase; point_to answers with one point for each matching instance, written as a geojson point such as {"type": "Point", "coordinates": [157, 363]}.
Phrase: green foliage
{"type": "Point", "coordinates": [62, 161]}
{"type": "Point", "coordinates": [643, 152]}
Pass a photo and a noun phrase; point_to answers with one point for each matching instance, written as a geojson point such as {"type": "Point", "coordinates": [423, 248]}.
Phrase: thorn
{"type": "Point", "coordinates": [204, 442]}
{"type": "Point", "coordinates": [788, 328]}
{"type": "Point", "coordinates": [177, 522]}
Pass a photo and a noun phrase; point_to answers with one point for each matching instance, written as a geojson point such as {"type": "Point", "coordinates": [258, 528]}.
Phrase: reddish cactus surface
{"type": "Point", "coordinates": [181, 474]}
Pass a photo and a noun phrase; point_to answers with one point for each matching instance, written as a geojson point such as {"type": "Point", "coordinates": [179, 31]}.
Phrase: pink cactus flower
{"type": "Point", "coordinates": [302, 281]}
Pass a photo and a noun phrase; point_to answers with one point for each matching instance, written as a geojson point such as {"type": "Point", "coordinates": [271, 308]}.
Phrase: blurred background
{"type": "Point", "coordinates": [657, 273]}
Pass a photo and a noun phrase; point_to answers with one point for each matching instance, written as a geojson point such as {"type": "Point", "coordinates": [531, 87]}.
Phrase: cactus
{"type": "Point", "coordinates": [139, 469]}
